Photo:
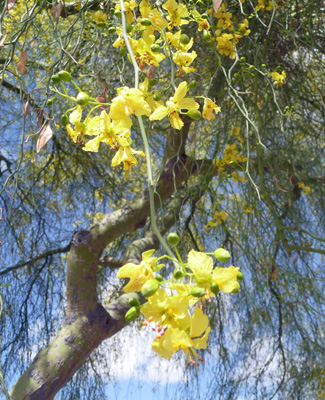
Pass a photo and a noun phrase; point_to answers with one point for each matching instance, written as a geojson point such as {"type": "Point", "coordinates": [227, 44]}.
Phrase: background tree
{"type": "Point", "coordinates": [249, 180]}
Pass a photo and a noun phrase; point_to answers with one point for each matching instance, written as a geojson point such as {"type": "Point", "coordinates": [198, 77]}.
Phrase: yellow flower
{"type": "Point", "coordinates": [105, 130]}
{"type": "Point", "coordinates": [138, 274]}
{"type": "Point", "coordinates": [226, 278]}
{"type": "Point", "coordinates": [220, 216]}
{"type": "Point", "coordinates": [225, 45]}
{"type": "Point", "coordinates": [170, 311]}
{"type": "Point", "coordinates": [129, 6]}
{"type": "Point", "coordinates": [142, 51]}
{"type": "Point", "coordinates": [153, 14]}
{"type": "Point", "coordinates": [99, 16]}
{"type": "Point", "coordinates": [126, 155]}
{"type": "Point", "coordinates": [176, 12]}
{"type": "Point", "coordinates": [278, 78]}
{"type": "Point", "coordinates": [201, 265]}
{"type": "Point", "coordinates": [175, 339]}
{"type": "Point", "coordinates": [208, 108]}
{"type": "Point", "coordinates": [128, 102]}
{"type": "Point", "coordinates": [307, 190]}
{"type": "Point", "coordinates": [183, 60]}
{"type": "Point", "coordinates": [174, 106]}
{"type": "Point", "coordinates": [243, 27]}
{"type": "Point", "coordinates": [79, 130]}
{"type": "Point", "coordinates": [249, 210]}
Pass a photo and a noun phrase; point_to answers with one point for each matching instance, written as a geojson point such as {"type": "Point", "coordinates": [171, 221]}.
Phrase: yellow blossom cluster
{"type": "Point", "coordinates": [175, 306]}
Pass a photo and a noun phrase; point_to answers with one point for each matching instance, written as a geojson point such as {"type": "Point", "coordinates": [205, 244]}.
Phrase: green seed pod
{"type": "Point", "coordinates": [197, 292]}
{"type": "Point", "coordinates": [145, 22]}
{"type": "Point", "coordinates": [242, 59]}
{"type": "Point", "coordinates": [192, 85]}
{"type": "Point", "coordinates": [122, 50]}
{"type": "Point", "coordinates": [64, 76]}
{"type": "Point", "coordinates": [199, 3]}
{"type": "Point", "coordinates": [133, 302]}
{"type": "Point", "coordinates": [194, 114]}
{"type": "Point", "coordinates": [214, 288]}
{"type": "Point", "coordinates": [177, 273]}
{"type": "Point", "coordinates": [111, 29]}
{"type": "Point", "coordinates": [55, 79]}
{"type": "Point", "coordinates": [150, 287]}
{"type": "Point", "coordinates": [159, 278]}
{"type": "Point", "coordinates": [132, 313]}
{"type": "Point", "coordinates": [251, 67]}
{"type": "Point", "coordinates": [157, 96]}
{"type": "Point", "coordinates": [184, 39]}
{"type": "Point", "coordinates": [204, 16]}
{"type": "Point", "coordinates": [129, 28]}
{"type": "Point", "coordinates": [240, 276]}
{"type": "Point", "coordinates": [222, 255]}
{"type": "Point", "coordinates": [206, 35]}
{"type": "Point", "coordinates": [155, 47]}
{"type": "Point", "coordinates": [64, 120]}
{"type": "Point", "coordinates": [118, 13]}
{"type": "Point", "coordinates": [152, 82]}
{"type": "Point", "coordinates": [236, 290]}
{"type": "Point", "coordinates": [173, 239]}
{"type": "Point", "coordinates": [101, 24]}
{"type": "Point", "coordinates": [82, 99]}
{"type": "Point", "coordinates": [49, 102]}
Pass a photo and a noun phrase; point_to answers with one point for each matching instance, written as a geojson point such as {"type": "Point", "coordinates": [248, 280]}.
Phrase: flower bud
{"type": "Point", "coordinates": [111, 29]}
{"type": "Point", "coordinates": [133, 302]}
{"type": "Point", "coordinates": [194, 114]}
{"type": "Point", "coordinates": [214, 288]}
{"type": "Point", "coordinates": [184, 39]}
{"type": "Point", "coordinates": [155, 47]}
{"type": "Point", "coordinates": [197, 292]}
{"type": "Point", "coordinates": [64, 76]}
{"type": "Point", "coordinates": [55, 79]}
{"type": "Point", "coordinates": [132, 313]}
{"type": "Point", "coordinates": [64, 120]}
{"type": "Point", "coordinates": [222, 255]}
{"type": "Point", "coordinates": [206, 35]}
{"type": "Point", "coordinates": [82, 99]}
{"type": "Point", "coordinates": [145, 22]}
{"type": "Point", "coordinates": [192, 85]}
{"type": "Point", "coordinates": [240, 276]}
{"type": "Point", "coordinates": [157, 96]}
{"type": "Point", "coordinates": [118, 13]}
{"type": "Point", "coordinates": [122, 50]}
{"type": "Point", "coordinates": [173, 239]}
{"type": "Point", "coordinates": [150, 288]}
{"type": "Point", "coordinates": [159, 278]}
{"type": "Point", "coordinates": [152, 82]}
{"type": "Point", "coordinates": [177, 273]}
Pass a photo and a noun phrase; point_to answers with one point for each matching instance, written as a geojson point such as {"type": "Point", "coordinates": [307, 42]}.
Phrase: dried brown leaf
{"type": "Point", "coordinates": [21, 65]}
{"type": "Point", "coordinates": [3, 40]}
{"type": "Point", "coordinates": [26, 108]}
{"type": "Point", "coordinates": [40, 119]}
{"type": "Point", "coordinates": [56, 12]}
{"type": "Point", "coordinates": [216, 5]}
{"type": "Point", "coordinates": [44, 136]}
{"type": "Point", "coordinates": [151, 72]}
{"type": "Point", "coordinates": [10, 5]}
